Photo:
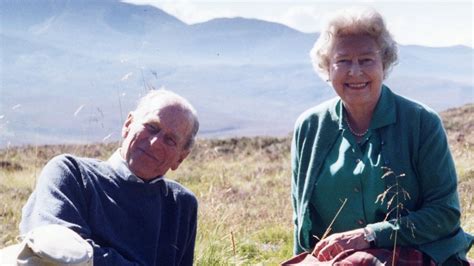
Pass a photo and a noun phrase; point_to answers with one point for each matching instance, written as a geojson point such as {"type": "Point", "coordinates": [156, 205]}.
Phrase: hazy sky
{"type": "Point", "coordinates": [430, 23]}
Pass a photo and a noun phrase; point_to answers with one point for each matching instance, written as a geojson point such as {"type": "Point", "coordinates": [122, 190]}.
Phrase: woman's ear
{"type": "Point", "coordinates": [127, 124]}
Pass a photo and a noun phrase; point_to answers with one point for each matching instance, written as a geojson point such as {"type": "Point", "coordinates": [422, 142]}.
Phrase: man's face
{"type": "Point", "coordinates": [154, 142]}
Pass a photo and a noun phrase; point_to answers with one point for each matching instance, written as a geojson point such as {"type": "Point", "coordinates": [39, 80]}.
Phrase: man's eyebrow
{"type": "Point", "coordinates": [172, 134]}
{"type": "Point", "coordinates": [175, 136]}
{"type": "Point", "coordinates": [153, 121]}
{"type": "Point", "coordinates": [168, 134]}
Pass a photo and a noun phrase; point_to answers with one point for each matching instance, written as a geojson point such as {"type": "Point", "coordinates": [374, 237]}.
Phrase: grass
{"type": "Point", "coordinates": [243, 188]}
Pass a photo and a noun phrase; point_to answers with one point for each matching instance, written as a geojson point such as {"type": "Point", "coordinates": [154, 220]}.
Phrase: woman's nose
{"type": "Point", "coordinates": [354, 69]}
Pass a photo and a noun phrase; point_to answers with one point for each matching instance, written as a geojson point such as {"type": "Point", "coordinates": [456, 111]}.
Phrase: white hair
{"type": "Point", "coordinates": [353, 21]}
{"type": "Point", "coordinates": [156, 99]}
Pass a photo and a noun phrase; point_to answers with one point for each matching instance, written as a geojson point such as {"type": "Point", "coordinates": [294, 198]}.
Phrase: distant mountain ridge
{"type": "Point", "coordinates": [71, 69]}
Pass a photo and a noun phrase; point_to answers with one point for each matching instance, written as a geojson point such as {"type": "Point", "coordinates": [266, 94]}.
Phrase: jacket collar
{"type": "Point", "coordinates": [384, 112]}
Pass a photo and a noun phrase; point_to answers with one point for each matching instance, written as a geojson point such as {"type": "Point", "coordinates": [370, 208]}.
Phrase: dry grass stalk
{"type": "Point", "coordinates": [233, 243]}
{"type": "Point", "coordinates": [394, 204]}
{"type": "Point", "coordinates": [329, 229]}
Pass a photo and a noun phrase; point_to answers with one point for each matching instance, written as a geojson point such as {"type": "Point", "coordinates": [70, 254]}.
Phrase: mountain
{"type": "Point", "coordinates": [70, 69]}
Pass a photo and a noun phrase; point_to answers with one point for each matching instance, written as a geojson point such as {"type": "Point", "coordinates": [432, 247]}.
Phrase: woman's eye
{"type": "Point", "coordinates": [367, 61]}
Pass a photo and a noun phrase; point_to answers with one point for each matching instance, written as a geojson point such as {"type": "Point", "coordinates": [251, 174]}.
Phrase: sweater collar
{"type": "Point", "coordinates": [121, 167]}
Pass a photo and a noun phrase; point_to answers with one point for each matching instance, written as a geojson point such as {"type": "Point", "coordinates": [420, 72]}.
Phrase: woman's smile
{"type": "Point", "coordinates": [356, 86]}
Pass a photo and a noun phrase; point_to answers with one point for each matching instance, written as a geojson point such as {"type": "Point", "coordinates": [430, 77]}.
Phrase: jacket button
{"type": "Point", "coordinates": [361, 221]}
{"type": "Point", "coordinates": [356, 189]}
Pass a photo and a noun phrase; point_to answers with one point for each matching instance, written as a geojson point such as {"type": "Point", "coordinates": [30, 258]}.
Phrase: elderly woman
{"type": "Point", "coordinates": [370, 167]}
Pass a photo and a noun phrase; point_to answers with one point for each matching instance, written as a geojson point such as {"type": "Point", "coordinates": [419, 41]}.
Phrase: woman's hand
{"type": "Point", "coordinates": [334, 244]}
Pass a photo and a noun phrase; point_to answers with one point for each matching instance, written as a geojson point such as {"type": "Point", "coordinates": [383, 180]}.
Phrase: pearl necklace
{"type": "Point", "coordinates": [353, 131]}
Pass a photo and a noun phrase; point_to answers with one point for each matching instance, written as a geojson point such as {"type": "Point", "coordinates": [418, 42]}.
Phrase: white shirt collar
{"type": "Point", "coordinates": [121, 166]}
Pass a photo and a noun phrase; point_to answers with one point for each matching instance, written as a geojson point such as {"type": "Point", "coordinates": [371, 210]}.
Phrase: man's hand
{"type": "Point", "coordinates": [334, 244]}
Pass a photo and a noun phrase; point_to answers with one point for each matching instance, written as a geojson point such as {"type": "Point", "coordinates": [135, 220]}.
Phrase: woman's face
{"type": "Point", "coordinates": [356, 70]}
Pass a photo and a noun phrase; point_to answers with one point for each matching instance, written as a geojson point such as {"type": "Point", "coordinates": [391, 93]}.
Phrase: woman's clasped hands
{"type": "Point", "coordinates": [333, 245]}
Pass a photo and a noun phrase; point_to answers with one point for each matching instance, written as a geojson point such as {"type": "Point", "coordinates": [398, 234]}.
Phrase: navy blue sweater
{"type": "Point", "coordinates": [127, 223]}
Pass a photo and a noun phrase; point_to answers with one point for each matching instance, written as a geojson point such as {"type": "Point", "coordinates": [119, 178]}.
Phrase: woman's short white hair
{"type": "Point", "coordinates": [358, 21]}
{"type": "Point", "coordinates": [156, 99]}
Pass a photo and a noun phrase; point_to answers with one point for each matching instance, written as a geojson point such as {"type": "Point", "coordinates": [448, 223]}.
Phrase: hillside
{"type": "Point", "coordinates": [459, 123]}
{"type": "Point", "coordinates": [70, 68]}
{"type": "Point", "coordinates": [242, 185]}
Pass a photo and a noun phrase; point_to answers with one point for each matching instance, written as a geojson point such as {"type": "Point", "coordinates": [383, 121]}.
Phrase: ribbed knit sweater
{"type": "Point", "coordinates": [127, 223]}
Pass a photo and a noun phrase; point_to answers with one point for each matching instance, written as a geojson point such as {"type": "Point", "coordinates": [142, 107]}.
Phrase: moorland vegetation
{"type": "Point", "coordinates": [242, 184]}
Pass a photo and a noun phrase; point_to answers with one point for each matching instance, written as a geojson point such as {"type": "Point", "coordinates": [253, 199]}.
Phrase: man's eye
{"type": "Point", "coordinates": [170, 141]}
{"type": "Point", "coordinates": [342, 61]}
{"type": "Point", "coordinates": [151, 128]}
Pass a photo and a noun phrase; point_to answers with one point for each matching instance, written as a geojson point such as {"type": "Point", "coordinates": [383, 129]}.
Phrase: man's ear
{"type": "Point", "coordinates": [182, 156]}
{"type": "Point", "coordinates": [126, 125]}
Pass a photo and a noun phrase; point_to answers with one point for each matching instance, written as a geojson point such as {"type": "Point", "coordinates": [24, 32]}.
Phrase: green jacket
{"type": "Point", "coordinates": [413, 143]}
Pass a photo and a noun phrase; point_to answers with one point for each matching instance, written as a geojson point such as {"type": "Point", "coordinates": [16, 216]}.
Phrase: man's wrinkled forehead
{"type": "Point", "coordinates": [178, 113]}
{"type": "Point", "coordinates": [156, 107]}
{"type": "Point", "coordinates": [156, 111]}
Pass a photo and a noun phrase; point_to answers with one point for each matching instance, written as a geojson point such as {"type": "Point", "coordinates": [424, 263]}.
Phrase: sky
{"type": "Point", "coordinates": [421, 22]}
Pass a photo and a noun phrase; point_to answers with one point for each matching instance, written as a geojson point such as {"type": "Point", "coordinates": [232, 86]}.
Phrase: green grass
{"type": "Point", "coordinates": [243, 188]}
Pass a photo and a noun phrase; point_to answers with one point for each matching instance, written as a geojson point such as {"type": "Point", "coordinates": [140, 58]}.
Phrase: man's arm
{"type": "Point", "coordinates": [188, 255]}
{"type": "Point", "coordinates": [60, 198]}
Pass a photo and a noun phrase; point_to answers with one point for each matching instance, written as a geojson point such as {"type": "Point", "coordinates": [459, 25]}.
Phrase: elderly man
{"type": "Point", "coordinates": [124, 207]}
